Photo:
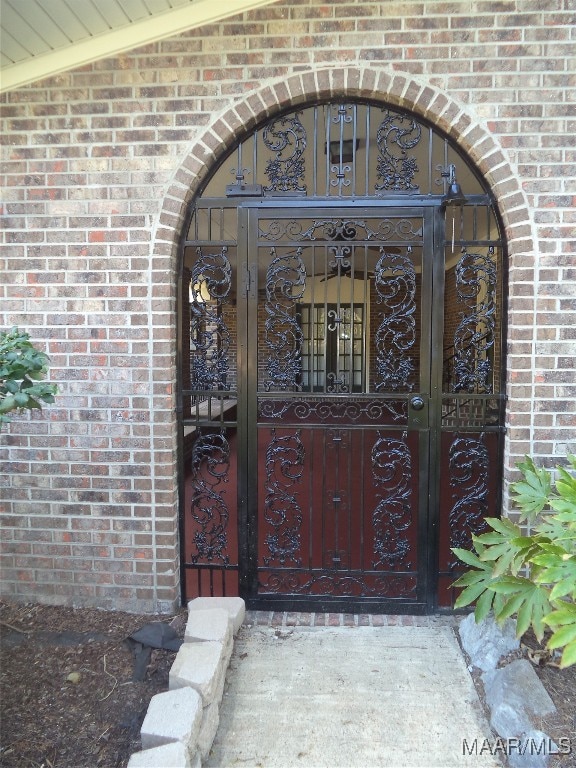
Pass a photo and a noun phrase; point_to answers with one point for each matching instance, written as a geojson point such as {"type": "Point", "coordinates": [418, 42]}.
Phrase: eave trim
{"type": "Point", "coordinates": [124, 38]}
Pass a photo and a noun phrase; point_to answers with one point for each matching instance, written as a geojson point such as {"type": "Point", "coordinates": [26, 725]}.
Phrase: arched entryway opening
{"type": "Point", "coordinates": [341, 364]}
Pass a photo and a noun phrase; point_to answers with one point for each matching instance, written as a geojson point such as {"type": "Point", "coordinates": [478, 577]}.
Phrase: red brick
{"type": "Point", "coordinates": [92, 240]}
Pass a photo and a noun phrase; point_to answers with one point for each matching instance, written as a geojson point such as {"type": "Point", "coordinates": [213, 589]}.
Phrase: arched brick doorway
{"type": "Point", "coordinates": [341, 364]}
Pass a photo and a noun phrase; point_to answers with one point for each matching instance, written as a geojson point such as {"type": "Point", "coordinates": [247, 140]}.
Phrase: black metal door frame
{"type": "Point", "coordinates": [352, 156]}
{"type": "Point", "coordinates": [427, 421]}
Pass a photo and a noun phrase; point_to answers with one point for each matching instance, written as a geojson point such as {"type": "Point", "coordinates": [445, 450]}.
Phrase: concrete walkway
{"type": "Point", "coordinates": [356, 697]}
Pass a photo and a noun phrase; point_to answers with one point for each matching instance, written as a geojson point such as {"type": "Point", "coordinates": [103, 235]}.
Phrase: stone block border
{"type": "Point", "coordinates": [181, 723]}
{"type": "Point", "coordinates": [515, 697]}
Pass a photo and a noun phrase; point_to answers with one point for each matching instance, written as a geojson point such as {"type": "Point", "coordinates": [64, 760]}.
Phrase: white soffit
{"type": "Point", "coordinates": [39, 38]}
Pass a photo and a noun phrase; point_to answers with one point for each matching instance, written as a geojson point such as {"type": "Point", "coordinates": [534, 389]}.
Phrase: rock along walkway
{"type": "Point", "coordinates": [351, 696]}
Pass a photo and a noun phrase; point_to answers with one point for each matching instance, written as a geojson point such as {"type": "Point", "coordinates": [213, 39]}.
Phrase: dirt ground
{"type": "Point", "coordinates": [91, 721]}
{"type": "Point", "coordinates": [68, 699]}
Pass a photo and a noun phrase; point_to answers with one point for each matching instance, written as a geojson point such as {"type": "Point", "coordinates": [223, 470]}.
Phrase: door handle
{"type": "Point", "coordinates": [417, 403]}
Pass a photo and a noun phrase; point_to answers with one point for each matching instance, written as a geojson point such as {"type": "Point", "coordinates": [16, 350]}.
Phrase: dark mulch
{"type": "Point", "coordinates": [561, 687]}
{"type": "Point", "coordinates": [49, 721]}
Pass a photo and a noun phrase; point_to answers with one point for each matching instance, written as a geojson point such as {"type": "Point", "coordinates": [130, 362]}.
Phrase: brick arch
{"type": "Point", "coordinates": [404, 91]}
{"type": "Point", "coordinates": [236, 122]}
{"type": "Point", "coordinates": [396, 89]}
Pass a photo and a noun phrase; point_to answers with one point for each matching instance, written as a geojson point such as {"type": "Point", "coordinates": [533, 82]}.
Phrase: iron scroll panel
{"type": "Point", "coordinates": [338, 509]}
{"type": "Point", "coordinates": [472, 404]}
{"type": "Point", "coordinates": [207, 401]}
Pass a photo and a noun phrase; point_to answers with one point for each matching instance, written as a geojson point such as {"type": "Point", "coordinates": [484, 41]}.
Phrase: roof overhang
{"type": "Point", "coordinates": [124, 37]}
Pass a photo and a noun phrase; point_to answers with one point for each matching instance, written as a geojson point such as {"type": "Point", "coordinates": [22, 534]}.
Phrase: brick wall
{"type": "Point", "coordinates": [99, 164]}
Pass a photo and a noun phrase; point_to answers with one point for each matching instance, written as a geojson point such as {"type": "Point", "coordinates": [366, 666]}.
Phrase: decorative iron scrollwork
{"type": "Point", "coordinates": [286, 136]}
{"type": "Point", "coordinates": [285, 284]}
{"type": "Point", "coordinates": [469, 466]}
{"type": "Point", "coordinates": [336, 319]}
{"type": "Point", "coordinates": [392, 474]}
{"type": "Point", "coordinates": [337, 584]}
{"type": "Point", "coordinates": [284, 468]}
{"type": "Point", "coordinates": [476, 287]}
{"type": "Point", "coordinates": [395, 168]}
{"type": "Point", "coordinates": [324, 410]}
{"type": "Point", "coordinates": [210, 468]}
{"type": "Point", "coordinates": [340, 170]}
{"type": "Point", "coordinates": [336, 384]}
{"type": "Point", "coordinates": [405, 229]}
{"type": "Point", "coordinates": [211, 276]}
{"type": "Point", "coordinates": [341, 260]}
{"type": "Point", "coordinates": [334, 229]}
{"type": "Point", "coordinates": [395, 282]}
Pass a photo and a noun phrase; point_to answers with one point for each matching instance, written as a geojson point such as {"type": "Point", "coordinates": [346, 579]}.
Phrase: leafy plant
{"type": "Point", "coordinates": [22, 369]}
{"type": "Point", "coordinates": [532, 576]}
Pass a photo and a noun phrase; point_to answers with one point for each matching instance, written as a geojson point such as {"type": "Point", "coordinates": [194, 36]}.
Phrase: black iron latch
{"type": "Point", "coordinates": [240, 188]}
{"type": "Point", "coordinates": [244, 190]}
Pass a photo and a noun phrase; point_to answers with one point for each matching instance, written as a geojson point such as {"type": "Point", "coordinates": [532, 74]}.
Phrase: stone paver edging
{"type": "Point", "coordinates": [181, 723]}
{"type": "Point", "coordinates": [515, 697]}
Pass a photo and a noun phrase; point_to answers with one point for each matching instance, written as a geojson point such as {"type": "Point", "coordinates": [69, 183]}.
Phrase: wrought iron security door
{"type": "Point", "coordinates": [341, 364]}
{"type": "Point", "coordinates": [337, 392]}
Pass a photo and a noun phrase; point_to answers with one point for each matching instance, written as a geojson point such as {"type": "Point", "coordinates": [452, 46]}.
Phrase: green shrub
{"type": "Point", "coordinates": [22, 368]}
{"type": "Point", "coordinates": [531, 576]}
